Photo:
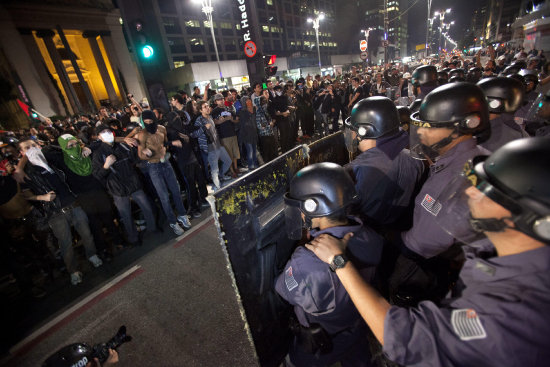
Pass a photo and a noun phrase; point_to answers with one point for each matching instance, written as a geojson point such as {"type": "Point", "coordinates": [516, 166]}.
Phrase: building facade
{"type": "Point", "coordinates": [67, 57]}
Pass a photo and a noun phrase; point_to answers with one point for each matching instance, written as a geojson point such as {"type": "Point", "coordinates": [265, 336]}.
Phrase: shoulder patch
{"type": "Point", "coordinates": [290, 282]}
{"type": "Point", "coordinates": [431, 205]}
{"type": "Point", "coordinates": [467, 325]}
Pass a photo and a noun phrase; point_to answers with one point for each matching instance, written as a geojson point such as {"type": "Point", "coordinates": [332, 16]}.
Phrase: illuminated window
{"type": "Point", "coordinates": [226, 25]}
{"type": "Point", "coordinates": [265, 28]}
{"type": "Point", "coordinates": [192, 23]}
{"type": "Point", "coordinates": [179, 64]}
{"type": "Point", "coordinates": [307, 43]}
{"type": "Point", "coordinates": [269, 2]}
{"type": "Point", "coordinates": [207, 24]}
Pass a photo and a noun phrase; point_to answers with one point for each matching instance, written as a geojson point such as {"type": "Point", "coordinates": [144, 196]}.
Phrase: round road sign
{"type": "Point", "coordinates": [364, 55]}
{"type": "Point", "coordinates": [363, 45]}
{"type": "Point", "coordinates": [250, 49]}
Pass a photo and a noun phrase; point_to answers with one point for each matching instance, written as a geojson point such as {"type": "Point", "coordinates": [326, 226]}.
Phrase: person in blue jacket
{"type": "Point", "coordinates": [330, 329]}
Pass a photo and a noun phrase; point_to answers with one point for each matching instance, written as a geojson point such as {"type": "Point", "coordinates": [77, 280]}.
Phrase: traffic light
{"type": "Point", "coordinates": [269, 60]}
{"type": "Point", "coordinates": [143, 42]}
{"type": "Point", "coordinates": [147, 51]}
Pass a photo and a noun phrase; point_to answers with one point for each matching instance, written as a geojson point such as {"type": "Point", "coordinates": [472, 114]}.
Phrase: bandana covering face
{"type": "Point", "coordinates": [37, 158]}
{"type": "Point", "coordinates": [73, 158]}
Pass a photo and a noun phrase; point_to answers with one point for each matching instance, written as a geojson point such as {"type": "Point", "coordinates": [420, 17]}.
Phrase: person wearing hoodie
{"type": "Point", "coordinates": [328, 327]}
{"type": "Point", "coordinates": [113, 164]}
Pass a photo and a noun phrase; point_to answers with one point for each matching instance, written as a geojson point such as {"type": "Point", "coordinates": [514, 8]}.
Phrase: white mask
{"type": "Point", "coordinates": [37, 158]}
{"type": "Point", "coordinates": [107, 137]}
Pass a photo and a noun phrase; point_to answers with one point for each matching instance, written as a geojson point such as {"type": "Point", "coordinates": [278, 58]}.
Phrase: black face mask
{"type": "Point", "coordinates": [151, 128]}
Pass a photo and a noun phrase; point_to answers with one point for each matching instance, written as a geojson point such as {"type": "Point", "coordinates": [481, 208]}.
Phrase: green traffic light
{"type": "Point", "coordinates": [147, 51]}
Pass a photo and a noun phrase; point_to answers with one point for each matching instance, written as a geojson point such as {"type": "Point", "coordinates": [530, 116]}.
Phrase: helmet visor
{"type": "Point", "coordinates": [533, 113]}
{"type": "Point", "coordinates": [350, 137]}
{"type": "Point", "coordinates": [454, 216]}
{"type": "Point", "coordinates": [293, 218]}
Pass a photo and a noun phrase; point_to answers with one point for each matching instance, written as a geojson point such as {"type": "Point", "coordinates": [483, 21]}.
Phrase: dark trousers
{"type": "Point", "coordinates": [97, 206]}
{"type": "Point", "coordinates": [286, 131]}
{"type": "Point", "coordinates": [195, 184]}
{"type": "Point", "coordinates": [268, 148]}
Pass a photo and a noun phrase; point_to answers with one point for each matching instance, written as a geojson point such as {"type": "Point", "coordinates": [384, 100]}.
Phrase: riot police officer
{"type": "Point", "coordinates": [531, 81]}
{"type": "Point", "coordinates": [330, 328]}
{"type": "Point", "coordinates": [505, 96]}
{"type": "Point", "coordinates": [386, 177]}
{"type": "Point", "coordinates": [442, 132]}
{"type": "Point", "coordinates": [404, 117]}
{"type": "Point", "coordinates": [499, 315]}
{"type": "Point", "coordinates": [424, 80]}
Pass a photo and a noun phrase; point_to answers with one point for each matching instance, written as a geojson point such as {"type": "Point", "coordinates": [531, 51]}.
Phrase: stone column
{"type": "Point", "coordinates": [40, 66]}
{"type": "Point", "coordinates": [74, 102]}
{"type": "Point", "coordinates": [102, 67]}
{"type": "Point", "coordinates": [115, 64]}
{"type": "Point", "coordinates": [76, 68]}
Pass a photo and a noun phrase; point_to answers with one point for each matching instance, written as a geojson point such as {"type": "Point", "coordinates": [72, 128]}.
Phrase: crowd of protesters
{"type": "Point", "coordinates": [91, 172]}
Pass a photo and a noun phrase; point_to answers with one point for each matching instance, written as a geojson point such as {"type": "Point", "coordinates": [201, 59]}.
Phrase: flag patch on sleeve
{"type": "Point", "coordinates": [431, 205]}
{"type": "Point", "coordinates": [290, 282]}
{"type": "Point", "coordinates": [467, 325]}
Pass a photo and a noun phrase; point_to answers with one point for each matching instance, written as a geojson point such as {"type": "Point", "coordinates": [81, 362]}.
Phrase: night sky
{"type": "Point", "coordinates": [461, 13]}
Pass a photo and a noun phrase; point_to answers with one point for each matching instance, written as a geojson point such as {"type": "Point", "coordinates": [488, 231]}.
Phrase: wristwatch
{"type": "Point", "coordinates": [338, 262]}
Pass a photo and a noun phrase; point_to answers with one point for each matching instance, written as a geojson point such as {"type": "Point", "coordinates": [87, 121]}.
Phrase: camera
{"type": "Point", "coordinates": [79, 354]}
{"type": "Point", "coordinates": [101, 351]}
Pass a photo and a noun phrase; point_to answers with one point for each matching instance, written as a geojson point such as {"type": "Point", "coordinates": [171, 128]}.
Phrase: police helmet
{"type": "Point", "coordinates": [516, 176]}
{"type": "Point", "coordinates": [517, 77]}
{"type": "Point", "coordinates": [424, 75]}
{"type": "Point", "coordinates": [522, 64]}
{"type": "Point", "coordinates": [456, 79]}
{"type": "Point", "coordinates": [415, 106]}
{"type": "Point", "coordinates": [404, 115]}
{"type": "Point", "coordinates": [442, 77]}
{"type": "Point", "coordinates": [78, 354]}
{"type": "Point", "coordinates": [474, 74]}
{"type": "Point", "coordinates": [512, 69]}
{"type": "Point", "coordinates": [321, 189]}
{"type": "Point", "coordinates": [457, 72]}
{"type": "Point", "coordinates": [459, 105]}
{"type": "Point", "coordinates": [504, 95]}
{"type": "Point", "coordinates": [373, 118]}
{"type": "Point", "coordinates": [529, 76]}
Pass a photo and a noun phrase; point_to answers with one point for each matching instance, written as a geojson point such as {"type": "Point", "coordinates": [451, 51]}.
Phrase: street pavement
{"type": "Point", "coordinates": [175, 297]}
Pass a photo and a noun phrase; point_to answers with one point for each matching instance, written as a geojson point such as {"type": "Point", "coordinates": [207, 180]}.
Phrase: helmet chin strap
{"type": "Point", "coordinates": [489, 224]}
{"type": "Point", "coordinates": [443, 142]}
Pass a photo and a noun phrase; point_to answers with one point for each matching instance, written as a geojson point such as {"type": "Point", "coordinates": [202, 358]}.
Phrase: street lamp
{"type": "Point", "coordinates": [441, 15]}
{"type": "Point", "coordinates": [207, 9]}
{"type": "Point", "coordinates": [315, 22]}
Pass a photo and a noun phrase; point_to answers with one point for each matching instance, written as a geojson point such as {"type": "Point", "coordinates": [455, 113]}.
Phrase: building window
{"type": "Point", "coordinates": [197, 45]}
{"type": "Point", "coordinates": [177, 45]}
{"type": "Point", "coordinates": [192, 27]}
{"type": "Point", "coordinates": [230, 46]}
{"type": "Point", "coordinates": [171, 25]}
{"type": "Point", "coordinates": [269, 2]}
{"type": "Point", "coordinates": [179, 64]}
{"type": "Point", "coordinates": [207, 24]}
{"type": "Point", "coordinates": [200, 58]}
{"type": "Point", "coordinates": [167, 6]}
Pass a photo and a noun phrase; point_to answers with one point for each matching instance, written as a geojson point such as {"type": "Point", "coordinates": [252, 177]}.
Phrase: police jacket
{"type": "Point", "coordinates": [499, 317]}
{"type": "Point", "coordinates": [121, 178]}
{"type": "Point", "coordinates": [387, 179]}
{"type": "Point", "coordinates": [315, 291]}
{"type": "Point", "coordinates": [503, 130]}
{"type": "Point", "coordinates": [426, 238]}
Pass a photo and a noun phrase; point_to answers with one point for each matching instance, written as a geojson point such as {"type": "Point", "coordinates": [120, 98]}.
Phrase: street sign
{"type": "Point", "coordinates": [364, 55]}
{"type": "Point", "coordinates": [363, 45]}
{"type": "Point", "coordinates": [250, 49]}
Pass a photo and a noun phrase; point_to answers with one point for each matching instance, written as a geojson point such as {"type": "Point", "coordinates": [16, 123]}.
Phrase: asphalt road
{"type": "Point", "coordinates": [176, 299]}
